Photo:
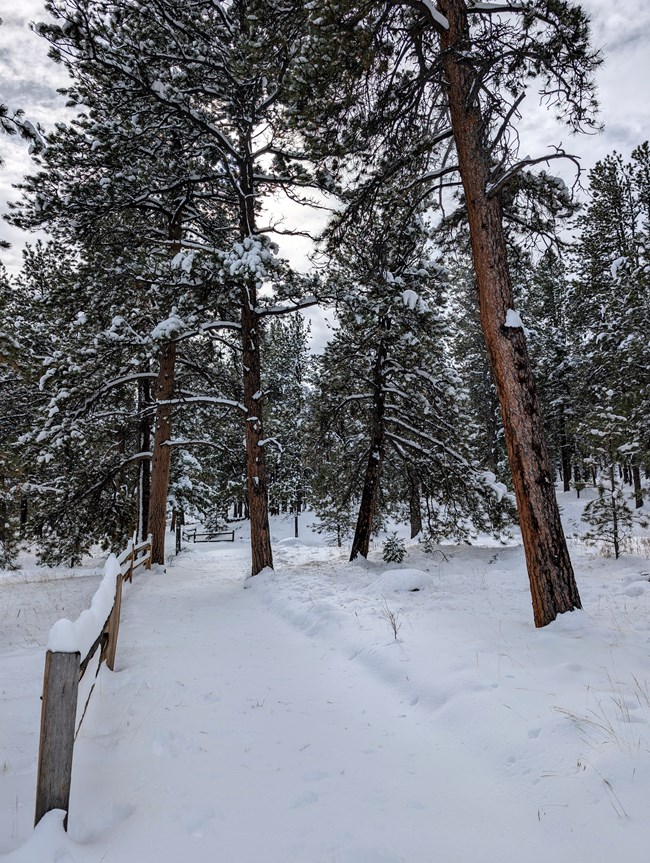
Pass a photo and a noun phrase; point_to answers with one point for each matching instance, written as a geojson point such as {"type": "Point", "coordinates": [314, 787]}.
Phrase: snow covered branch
{"type": "Point", "coordinates": [429, 8]}
{"type": "Point", "coordinates": [491, 8]}
{"type": "Point", "coordinates": [494, 188]}
{"type": "Point", "coordinates": [305, 303]}
{"type": "Point", "coordinates": [204, 400]}
{"type": "Point", "coordinates": [109, 385]}
{"type": "Point", "coordinates": [179, 442]}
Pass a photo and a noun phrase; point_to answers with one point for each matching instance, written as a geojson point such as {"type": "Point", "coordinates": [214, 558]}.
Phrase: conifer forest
{"type": "Point", "coordinates": [324, 440]}
{"type": "Point", "coordinates": [490, 309]}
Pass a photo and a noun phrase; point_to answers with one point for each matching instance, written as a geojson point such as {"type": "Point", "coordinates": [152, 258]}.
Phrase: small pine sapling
{"type": "Point", "coordinates": [394, 549]}
{"type": "Point", "coordinates": [610, 518]}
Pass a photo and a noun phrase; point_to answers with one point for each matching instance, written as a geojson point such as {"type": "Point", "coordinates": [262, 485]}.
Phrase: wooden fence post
{"type": "Point", "coordinates": [129, 574]}
{"type": "Point", "coordinates": [150, 541]}
{"type": "Point", "coordinates": [113, 624]}
{"type": "Point", "coordinates": [58, 714]}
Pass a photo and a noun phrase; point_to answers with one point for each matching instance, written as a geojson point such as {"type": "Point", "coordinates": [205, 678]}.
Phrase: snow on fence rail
{"type": "Point", "coordinates": [95, 629]}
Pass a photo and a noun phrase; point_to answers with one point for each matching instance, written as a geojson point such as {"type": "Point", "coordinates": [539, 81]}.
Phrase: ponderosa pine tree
{"type": "Point", "coordinates": [545, 302]}
{"type": "Point", "coordinates": [213, 113]}
{"type": "Point", "coordinates": [286, 371]}
{"type": "Point", "coordinates": [131, 223]}
{"type": "Point", "coordinates": [466, 66]}
{"type": "Point", "coordinates": [390, 406]}
{"type": "Point", "coordinates": [610, 309]}
{"type": "Point", "coordinates": [218, 71]}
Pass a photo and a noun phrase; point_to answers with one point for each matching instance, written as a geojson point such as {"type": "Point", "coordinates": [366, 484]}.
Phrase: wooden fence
{"type": "Point", "coordinates": [191, 535]}
{"type": "Point", "coordinates": [64, 668]}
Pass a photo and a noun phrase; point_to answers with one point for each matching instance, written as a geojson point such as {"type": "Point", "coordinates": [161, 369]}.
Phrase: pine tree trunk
{"type": "Point", "coordinates": [565, 452]}
{"type": "Point", "coordinates": [612, 485]}
{"type": "Point", "coordinates": [415, 507]}
{"type": "Point", "coordinates": [370, 491]}
{"type": "Point", "coordinates": [144, 483]}
{"type": "Point", "coordinates": [261, 552]}
{"type": "Point", "coordinates": [256, 483]}
{"type": "Point", "coordinates": [638, 491]}
{"type": "Point", "coordinates": [552, 582]}
{"type": "Point", "coordinates": [161, 458]}
{"type": "Point", "coordinates": [161, 454]}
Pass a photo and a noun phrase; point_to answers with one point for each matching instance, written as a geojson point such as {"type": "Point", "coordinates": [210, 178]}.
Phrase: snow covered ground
{"type": "Point", "coordinates": [280, 719]}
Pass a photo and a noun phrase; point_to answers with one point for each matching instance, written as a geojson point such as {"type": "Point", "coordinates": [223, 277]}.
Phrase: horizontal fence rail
{"type": "Point", "coordinates": [192, 535]}
{"type": "Point", "coordinates": [95, 629]}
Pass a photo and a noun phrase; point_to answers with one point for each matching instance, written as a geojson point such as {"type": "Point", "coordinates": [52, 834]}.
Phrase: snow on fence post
{"type": "Point", "coordinates": [95, 629]}
{"type": "Point", "coordinates": [67, 643]}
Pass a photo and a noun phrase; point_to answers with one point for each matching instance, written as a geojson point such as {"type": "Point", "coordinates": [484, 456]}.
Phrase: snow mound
{"type": "Point", "coordinates": [67, 636]}
{"type": "Point", "coordinates": [402, 580]}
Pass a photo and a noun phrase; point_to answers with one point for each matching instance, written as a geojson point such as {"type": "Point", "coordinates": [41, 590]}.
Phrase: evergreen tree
{"type": "Point", "coordinates": [286, 374]}
{"type": "Point", "coordinates": [207, 77]}
{"type": "Point", "coordinates": [545, 302]}
{"type": "Point", "coordinates": [610, 310]}
{"type": "Point", "coordinates": [609, 516]}
{"type": "Point", "coordinates": [390, 406]}
{"type": "Point", "coordinates": [450, 67]}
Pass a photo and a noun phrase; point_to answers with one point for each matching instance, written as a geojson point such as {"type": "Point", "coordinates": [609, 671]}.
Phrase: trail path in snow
{"type": "Point", "coordinates": [228, 735]}
{"type": "Point", "coordinates": [277, 719]}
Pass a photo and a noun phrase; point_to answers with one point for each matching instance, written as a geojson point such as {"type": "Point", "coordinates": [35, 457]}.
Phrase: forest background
{"type": "Point", "coordinates": [91, 381]}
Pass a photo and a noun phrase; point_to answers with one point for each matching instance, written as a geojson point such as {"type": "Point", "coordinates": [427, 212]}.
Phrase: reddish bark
{"type": "Point", "coordinates": [552, 582]}
{"type": "Point", "coordinates": [256, 483]}
{"type": "Point", "coordinates": [261, 552]}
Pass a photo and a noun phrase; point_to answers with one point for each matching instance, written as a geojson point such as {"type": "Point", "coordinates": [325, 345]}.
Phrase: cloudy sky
{"type": "Point", "coordinates": [621, 29]}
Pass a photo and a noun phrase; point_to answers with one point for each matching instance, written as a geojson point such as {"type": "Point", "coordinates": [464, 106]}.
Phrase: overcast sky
{"type": "Point", "coordinates": [621, 29]}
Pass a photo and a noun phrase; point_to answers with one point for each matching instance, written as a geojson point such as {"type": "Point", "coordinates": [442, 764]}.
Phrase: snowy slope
{"type": "Point", "coordinates": [279, 719]}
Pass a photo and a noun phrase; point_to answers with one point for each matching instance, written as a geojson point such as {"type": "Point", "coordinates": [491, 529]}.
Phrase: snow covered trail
{"type": "Point", "coordinates": [230, 735]}
{"type": "Point", "coordinates": [278, 719]}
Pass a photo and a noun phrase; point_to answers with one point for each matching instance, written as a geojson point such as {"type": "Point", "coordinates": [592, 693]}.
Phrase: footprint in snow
{"type": "Point", "coordinates": [306, 799]}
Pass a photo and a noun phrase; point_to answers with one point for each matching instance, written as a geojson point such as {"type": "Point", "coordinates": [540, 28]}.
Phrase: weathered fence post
{"type": "Point", "coordinates": [150, 541]}
{"type": "Point", "coordinates": [128, 576]}
{"type": "Point", "coordinates": [113, 624]}
{"type": "Point", "coordinates": [63, 670]}
{"type": "Point", "coordinates": [58, 713]}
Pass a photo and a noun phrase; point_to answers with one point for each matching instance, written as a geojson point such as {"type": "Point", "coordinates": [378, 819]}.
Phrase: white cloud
{"type": "Point", "coordinates": [29, 81]}
{"type": "Point", "coordinates": [621, 29]}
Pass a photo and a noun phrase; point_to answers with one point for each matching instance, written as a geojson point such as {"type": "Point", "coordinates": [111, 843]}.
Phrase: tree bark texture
{"type": "Point", "coordinates": [550, 572]}
{"type": "Point", "coordinates": [370, 491]}
{"type": "Point", "coordinates": [256, 482]}
{"type": "Point", "coordinates": [261, 552]}
{"type": "Point", "coordinates": [161, 458]}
